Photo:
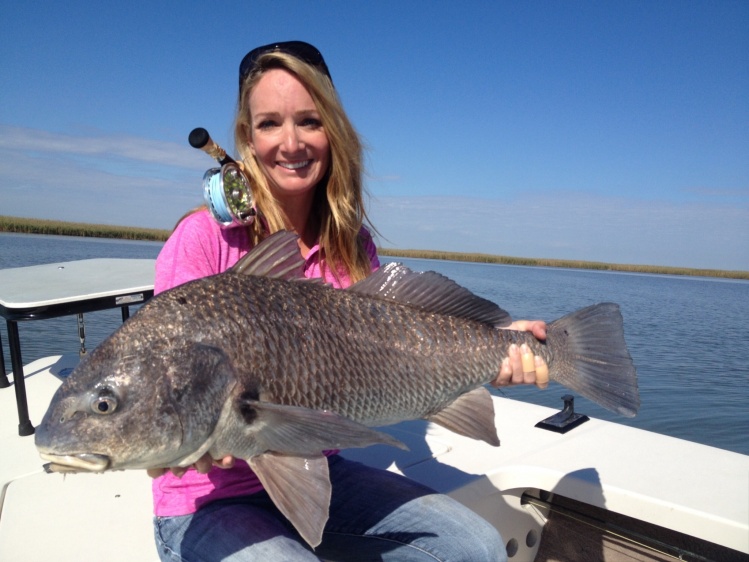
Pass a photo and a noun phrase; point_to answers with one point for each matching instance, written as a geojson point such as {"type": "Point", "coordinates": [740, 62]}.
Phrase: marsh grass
{"type": "Point", "coordinates": [40, 226]}
{"type": "Point", "coordinates": [60, 228]}
{"type": "Point", "coordinates": [571, 264]}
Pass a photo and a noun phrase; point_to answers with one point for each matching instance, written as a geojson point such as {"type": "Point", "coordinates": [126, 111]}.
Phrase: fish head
{"type": "Point", "coordinates": [129, 405]}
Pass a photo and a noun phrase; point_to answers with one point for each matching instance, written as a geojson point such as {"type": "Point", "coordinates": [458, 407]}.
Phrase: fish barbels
{"type": "Point", "coordinates": [263, 365]}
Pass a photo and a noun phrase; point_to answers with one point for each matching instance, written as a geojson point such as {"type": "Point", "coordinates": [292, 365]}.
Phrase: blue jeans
{"type": "Point", "coordinates": [374, 515]}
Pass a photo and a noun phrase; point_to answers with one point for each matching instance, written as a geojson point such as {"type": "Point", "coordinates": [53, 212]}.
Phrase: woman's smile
{"type": "Point", "coordinates": [295, 165]}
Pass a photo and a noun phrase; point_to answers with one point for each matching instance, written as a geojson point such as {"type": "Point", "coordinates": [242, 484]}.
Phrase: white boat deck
{"type": "Point", "coordinates": [694, 489]}
{"type": "Point", "coordinates": [47, 517]}
{"type": "Point", "coordinates": [690, 488]}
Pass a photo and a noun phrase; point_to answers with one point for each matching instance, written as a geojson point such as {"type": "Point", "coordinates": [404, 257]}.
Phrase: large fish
{"type": "Point", "coordinates": [266, 366]}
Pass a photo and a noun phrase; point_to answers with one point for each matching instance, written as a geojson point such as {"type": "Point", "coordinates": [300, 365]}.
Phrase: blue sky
{"type": "Point", "coordinates": [609, 131]}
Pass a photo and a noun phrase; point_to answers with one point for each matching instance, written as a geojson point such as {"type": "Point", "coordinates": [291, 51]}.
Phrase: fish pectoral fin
{"type": "Point", "coordinates": [302, 431]}
{"type": "Point", "coordinates": [472, 415]}
{"type": "Point", "coordinates": [300, 489]}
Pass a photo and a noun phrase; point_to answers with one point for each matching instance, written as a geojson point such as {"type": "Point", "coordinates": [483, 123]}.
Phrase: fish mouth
{"type": "Point", "coordinates": [80, 462]}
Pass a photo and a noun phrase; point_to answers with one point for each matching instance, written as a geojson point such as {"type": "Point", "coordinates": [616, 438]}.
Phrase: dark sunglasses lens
{"type": "Point", "coordinates": [299, 49]}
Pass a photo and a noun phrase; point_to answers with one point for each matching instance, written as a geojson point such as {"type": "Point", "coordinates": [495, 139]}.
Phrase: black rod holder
{"type": "Point", "coordinates": [564, 421]}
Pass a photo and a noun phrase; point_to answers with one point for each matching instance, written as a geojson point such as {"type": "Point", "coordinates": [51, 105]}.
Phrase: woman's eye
{"type": "Point", "coordinates": [266, 124]}
{"type": "Point", "coordinates": [311, 123]}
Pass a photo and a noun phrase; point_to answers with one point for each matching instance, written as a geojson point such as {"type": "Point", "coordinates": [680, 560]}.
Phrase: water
{"type": "Point", "coordinates": [689, 337]}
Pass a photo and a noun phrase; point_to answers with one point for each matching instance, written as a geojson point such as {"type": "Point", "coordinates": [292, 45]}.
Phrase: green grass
{"type": "Point", "coordinates": [40, 226]}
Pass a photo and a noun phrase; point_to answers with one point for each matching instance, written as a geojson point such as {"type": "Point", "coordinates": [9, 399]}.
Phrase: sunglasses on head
{"type": "Point", "coordinates": [298, 49]}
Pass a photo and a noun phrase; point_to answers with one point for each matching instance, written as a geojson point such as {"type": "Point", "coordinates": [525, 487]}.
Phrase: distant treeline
{"type": "Point", "coordinates": [40, 226]}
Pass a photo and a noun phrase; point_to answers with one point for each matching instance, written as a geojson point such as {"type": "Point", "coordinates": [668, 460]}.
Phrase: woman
{"type": "Point", "coordinates": [303, 158]}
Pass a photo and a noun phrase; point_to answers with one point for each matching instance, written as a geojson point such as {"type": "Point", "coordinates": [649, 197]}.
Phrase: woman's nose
{"type": "Point", "coordinates": [291, 140]}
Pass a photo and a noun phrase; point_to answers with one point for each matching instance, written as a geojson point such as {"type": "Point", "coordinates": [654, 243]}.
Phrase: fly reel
{"type": "Point", "coordinates": [227, 194]}
{"type": "Point", "coordinates": [226, 190]}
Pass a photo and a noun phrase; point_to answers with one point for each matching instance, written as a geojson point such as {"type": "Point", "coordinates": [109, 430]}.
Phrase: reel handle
{"type": "Point", "coordinates": [200, 139]}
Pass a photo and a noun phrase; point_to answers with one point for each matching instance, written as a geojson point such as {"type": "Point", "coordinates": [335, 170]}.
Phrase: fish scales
{"type": "Point", "coordinates": [361, 357]}
{"type": "Point", "coordinates": [261, 365]}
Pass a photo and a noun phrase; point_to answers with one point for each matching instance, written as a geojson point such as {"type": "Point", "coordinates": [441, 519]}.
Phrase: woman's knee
{"type": "Point", "coordinates": [168, 532]}
{"type": "Point", "coordinates": [462, 534]}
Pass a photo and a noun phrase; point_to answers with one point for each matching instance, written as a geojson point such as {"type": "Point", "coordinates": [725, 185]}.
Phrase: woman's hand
{"type": "Point", "coordinates": [521, 366]}
{"type": "Point", "coordinates": [203, 465]}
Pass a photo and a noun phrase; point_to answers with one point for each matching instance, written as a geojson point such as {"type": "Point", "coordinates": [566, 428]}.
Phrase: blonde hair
{"type": "Point", "coordinates": [339, 198]}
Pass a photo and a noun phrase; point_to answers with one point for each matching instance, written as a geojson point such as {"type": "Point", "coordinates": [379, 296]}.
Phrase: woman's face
{"type": "Point", "coordinates": [286, 135]}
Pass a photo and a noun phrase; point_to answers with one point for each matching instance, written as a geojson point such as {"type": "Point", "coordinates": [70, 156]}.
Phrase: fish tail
{"type": "Point", "coordinates": [590, 356]}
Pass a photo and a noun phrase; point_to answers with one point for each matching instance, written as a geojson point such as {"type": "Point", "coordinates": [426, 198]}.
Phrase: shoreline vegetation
{"type": "Point", "coordinates": [21, 225]}
{"type": "Point", "coordinates": [60, 228]}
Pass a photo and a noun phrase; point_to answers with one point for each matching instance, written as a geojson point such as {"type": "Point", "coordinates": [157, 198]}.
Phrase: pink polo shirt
{"type": "Point", "coordinates": [197, 248]}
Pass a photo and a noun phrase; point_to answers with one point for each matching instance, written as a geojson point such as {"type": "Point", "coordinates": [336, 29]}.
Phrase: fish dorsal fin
{"type": "Point", "coordinates": [277, 256]}
{"type": "Point", "coordinates": [432, 292]}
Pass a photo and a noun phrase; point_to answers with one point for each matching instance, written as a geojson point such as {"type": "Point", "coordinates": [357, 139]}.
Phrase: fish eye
{"type": "Point", "coordinates": [104, 403]}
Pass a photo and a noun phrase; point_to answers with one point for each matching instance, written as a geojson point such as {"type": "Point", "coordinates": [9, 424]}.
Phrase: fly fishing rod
{"type": "Point", "coordinates": [226, 190]}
